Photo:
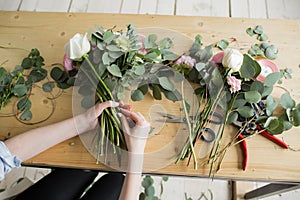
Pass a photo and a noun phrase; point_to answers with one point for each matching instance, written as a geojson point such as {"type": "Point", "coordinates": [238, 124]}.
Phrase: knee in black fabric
{"type": "Point", "coordinates": [108, 187]}
{"type": "Point", "coordinates": [61, 184]}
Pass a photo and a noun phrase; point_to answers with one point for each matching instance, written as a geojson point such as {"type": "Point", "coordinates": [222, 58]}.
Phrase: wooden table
{"type": "Point", "coordinates": [50, 31]}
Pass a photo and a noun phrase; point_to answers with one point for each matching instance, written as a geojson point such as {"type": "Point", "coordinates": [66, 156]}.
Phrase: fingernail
{"type": "Point", "coordinates": [114, 104]}
{"type": "Point", "coordinates": [119, 114]}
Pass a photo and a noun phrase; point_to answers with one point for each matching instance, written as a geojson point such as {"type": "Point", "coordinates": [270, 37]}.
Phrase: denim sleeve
{"type": "Point", "coordinates": [7, 161]}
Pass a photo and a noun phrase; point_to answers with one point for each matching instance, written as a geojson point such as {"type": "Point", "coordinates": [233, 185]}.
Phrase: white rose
{"type": "Point", "coordinates": [232, 59]}
{"type": "Point", "coordinates": [77, 46]}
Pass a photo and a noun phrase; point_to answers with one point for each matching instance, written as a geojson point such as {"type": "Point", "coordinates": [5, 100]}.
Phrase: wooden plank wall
{"type": "Point", "coordinates": [282, 9]}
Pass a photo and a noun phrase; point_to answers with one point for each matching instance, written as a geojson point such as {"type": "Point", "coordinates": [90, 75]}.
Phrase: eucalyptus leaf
{"type": "Point", "coordinates": [37, 75]}
{"type": "Point", "coordinates": [63, 85]}
{"type": "Point", "coordinates": [20, 90]}
{"type": "Point", "coordinates": [271, 52]}
{"type": "Point", "coordinates": [250, 68]}
{"type": "Point", "coordinates": [48, 87]}
{"type": "Point", "coordinates": [143, 88]}
{"type": "Point", "coordinates": [272, 78]}
{"type": "Point", "coordinates": [3, 73]}
{"type": "Point", "coordinates": [137, 95]}
{"type": "Point", "coordinates": [108, 36]}
{"type": "Point", "coordinates": [245, 111]}
{"type": "Point", "coordinates": [253, 96]}
{"type": "Point", "coordinates": [223, 44]}
{"type": "Point", "coordinates": [257, 86]}
{"type": "Point", "coordinates": [267, 91]}
{"type": "Point", "coordinates": [250, 31]}
{"type": "Point", "coordinates": [258, 29]}
{"type": "Point", "coordinates": [286, 101]}
{"type": "Point", "coordinates": [232, 117]}
{"type": "Point", "coordinates": [139, 70]}
{"type": "Point", "coordinates": [26, 115]}
{"type": "Point", "coordinates": [150, 191]}
{"type": "Point", "coordinates": [114, 70]}
{"type": "Point", "coordinates": [172, 95]}
{"type": "Point", "coordinates": [56, 73]}
{"type": "Point", "coordinates": [105, 58]}
{"type": "Point", "coordinates": [113, 48]}
{"type": "Point", "coordinates": [24, 104]}
{"type": "Point", "coordinates": [26, 63]}
{"type": "Point", "coordinates": [262, 37]}
{"type": "Point", "coordinates": [166, 84]}
{"type": "Point", "coordinates": [156, 92]}
{"type": "Point", "coordinates": [296, 117]}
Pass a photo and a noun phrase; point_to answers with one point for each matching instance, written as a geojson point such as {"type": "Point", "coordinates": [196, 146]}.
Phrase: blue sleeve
{"type": "Point", "coordinates": [7, 161]}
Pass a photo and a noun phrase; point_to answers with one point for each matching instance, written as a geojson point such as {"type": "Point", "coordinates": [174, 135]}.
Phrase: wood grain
{"type": "Point", "coordinates": [50, 31]}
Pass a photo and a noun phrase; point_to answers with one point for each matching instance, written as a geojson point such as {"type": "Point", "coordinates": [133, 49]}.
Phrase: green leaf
{"type": "Point", "coordinates": [271, 105]}
{"type": "Point", "coordinates": [87, 101]}
{"type": "Point", "coordinates": [114, 70]}
{"type": "Point", "coordinates": [137, 95]}
{"type": "Point", "coordinates": [232, 117]}
{"type": "Point", "coordinates": [142, 196]}
{"type": "Point", "coordinates": [271, 52]}
{"type": "Point", "coordinates": [56, 73]}
{"type": "Point", "coordinates": [262, 37]}
{"type": "Point", "coordinates": [105, 58]}
{"type": "Point", "coordinates": [147, 181]}
{"type": "Point", "coordinates": [275, 126]}
{"type": "Point", "coordinates": [267, 91]}
{"type": "Point", "coordinates": [166, 84]}
{"type": "Point", "coordinates": [150, 41]}
{"type": "Point", "coordinates": [108, 36]}
{"type": "Point", "coordinates": [48, 87]}
{"type": "Point", "coordinates": [150, 191]}
{"type": "Point", "coordinates": [258, 29]}
{"type": "Point", "coordinates": [26, 63]}
{"type": "Point", "coordinates": [24, 104]}
{"type": "Point", "coordinates": [253, 96]}
{"type": "Point", "coordinates": [250, 31]}
{"type": "Point", "coordinates": [156, 92]}
{"type": "Point", "coordinates": [245, 111]}
{"type": "Point", "coordinates": [223, 44]}
{"type": "Point", "coordinates": [63, 85]}
{"type": "Point", "coordinates": [165, 43]}
{"type": "Point", "coordinates": [26, 115]}
{"type": "Point", "coordinates": [165, 178]}
{"type": "Point", "coordinates": [3, 73]}
{"type": "Point", "coordinates": [257, 86]}
{"type": "Point", "coordinates": [250, 68]}
{"type": "Point", "coordinates": [37, 75]}
{"type": "Point", "coordinates": [139, 70]}
{"type": "Point", "coordinates": [113, 48]}
{"type": "Point", "coordinates": [271, 79]}
{"type": "Point", "coordinates": [286, 101]}
{"type": "Point", "coordinates": [20, 90]}
{"type": "Point", "coordinates": [172, 95]}
{"type": "Point", "coordinates": [143, 88]}
{"type": "Point", "coordinates": [296, 117]}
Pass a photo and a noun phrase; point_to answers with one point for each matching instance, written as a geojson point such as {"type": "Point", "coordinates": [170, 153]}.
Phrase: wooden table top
{"type": "Point", "coordinates": [50, 31]}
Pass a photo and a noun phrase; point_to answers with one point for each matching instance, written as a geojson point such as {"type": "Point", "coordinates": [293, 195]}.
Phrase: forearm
{"type": "Point", "coordinates": [132, 182]}
{"type": "Point", "coordinates": [131, 186]}
{"type": "Point", "coordinates": [33, 142]}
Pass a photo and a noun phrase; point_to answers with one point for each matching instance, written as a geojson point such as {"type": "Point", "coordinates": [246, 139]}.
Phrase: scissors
{"type": "Point", "coordinates": [218, 119]}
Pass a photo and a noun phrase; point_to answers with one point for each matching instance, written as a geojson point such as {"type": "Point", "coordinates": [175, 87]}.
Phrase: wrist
{"type": "Point", "coordinates": [135, 163]}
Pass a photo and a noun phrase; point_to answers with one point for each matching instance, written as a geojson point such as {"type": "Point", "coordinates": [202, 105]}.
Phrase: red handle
{"type": "Point", "coordinates": [245, 151]}
{"type": "Point", "coordinates": [272, 137]}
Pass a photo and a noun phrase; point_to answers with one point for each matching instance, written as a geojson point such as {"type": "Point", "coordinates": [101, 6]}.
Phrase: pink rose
{"type": "Point", "coordinates": [217, 59]}
{"type": "Point", "coordinates": [235, 84]}
{"type": "Point", "coordinates": [142, 51]}
{"type": "Point", "coordinates": [67, 63]}
{"type": "Point", "coordinates": [186, 60]}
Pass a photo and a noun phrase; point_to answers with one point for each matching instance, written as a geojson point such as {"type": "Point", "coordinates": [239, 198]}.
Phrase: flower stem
{"type": "Point", "coordinates": [190, 129]}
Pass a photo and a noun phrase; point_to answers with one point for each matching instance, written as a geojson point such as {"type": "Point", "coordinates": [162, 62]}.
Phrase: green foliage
{"type": "Point", "coordinates": [149, 190]}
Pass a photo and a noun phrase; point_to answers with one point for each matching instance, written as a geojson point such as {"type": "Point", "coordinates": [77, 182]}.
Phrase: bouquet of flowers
{"type": "Point", "coordinates": [236, 85]}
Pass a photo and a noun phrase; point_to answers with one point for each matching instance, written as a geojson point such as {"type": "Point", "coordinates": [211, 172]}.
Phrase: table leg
{"type": "Point", "coordinates": [271, 189]}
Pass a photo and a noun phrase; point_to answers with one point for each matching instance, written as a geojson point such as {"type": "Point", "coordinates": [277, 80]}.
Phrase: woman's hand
{"type": "Point", "coordinates": [88, 120]}
{"type": "Point", "coordinates": [136, 130]}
